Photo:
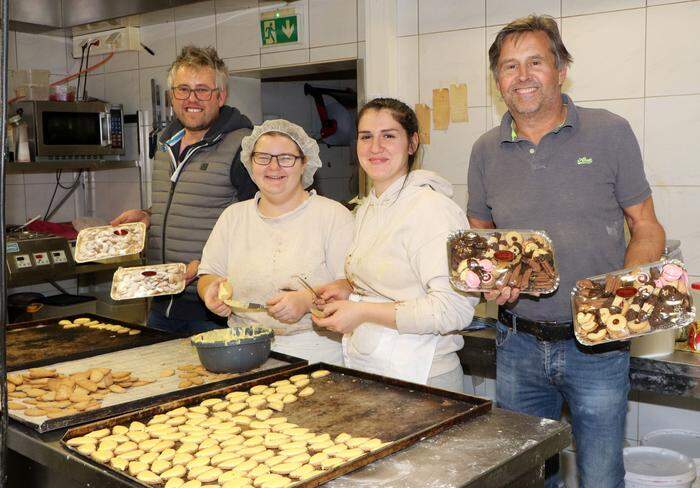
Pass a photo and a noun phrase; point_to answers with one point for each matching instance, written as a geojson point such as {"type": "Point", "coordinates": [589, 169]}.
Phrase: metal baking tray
{"type": "Point", "coordinates": [144, 398]}
{"type": "Point", "coordinates": [43, 342]}
{"type": "Point", "coordinates": [347, 400]}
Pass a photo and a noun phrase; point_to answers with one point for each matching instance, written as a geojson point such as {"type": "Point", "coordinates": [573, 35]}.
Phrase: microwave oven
{"type": "Point", "coordinates": [66, 130]}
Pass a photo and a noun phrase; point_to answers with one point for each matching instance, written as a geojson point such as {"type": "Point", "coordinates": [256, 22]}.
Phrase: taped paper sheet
{"type": "Point", "coordinates": [441, 108]}
{"type": "Point", "coordinates": [458, 103]}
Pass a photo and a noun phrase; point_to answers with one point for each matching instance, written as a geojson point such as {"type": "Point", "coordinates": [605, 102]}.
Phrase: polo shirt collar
{"type": "Point", "coordinates": [509, 134]}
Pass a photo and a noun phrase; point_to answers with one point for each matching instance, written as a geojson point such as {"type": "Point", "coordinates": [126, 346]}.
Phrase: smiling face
{"type": "Point", "coordinates": [197, 115]}
{"type": "Point", "coordinates": [527, 76]}
{"type": "Point", "coordinates": [383, 147]}
{"type": "Point", "coordinates": [276, 183]}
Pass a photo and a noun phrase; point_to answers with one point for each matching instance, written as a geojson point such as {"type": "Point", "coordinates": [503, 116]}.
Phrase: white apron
{"type": "Point", "coordinates": [381, 350]}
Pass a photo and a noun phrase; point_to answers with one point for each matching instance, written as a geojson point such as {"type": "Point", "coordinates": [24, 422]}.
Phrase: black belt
{"type": "Point", "coordinates": [554, 331]}
{"type": "Point", "coordinates": [543, 331]}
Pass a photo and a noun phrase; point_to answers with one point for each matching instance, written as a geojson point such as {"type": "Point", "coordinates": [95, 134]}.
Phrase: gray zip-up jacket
{"type": "Point", "coordinates": [188, 196]}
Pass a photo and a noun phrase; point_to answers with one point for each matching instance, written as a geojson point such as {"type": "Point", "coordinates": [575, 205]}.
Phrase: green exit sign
{"type": "Point", "coordinates": [279, 30]}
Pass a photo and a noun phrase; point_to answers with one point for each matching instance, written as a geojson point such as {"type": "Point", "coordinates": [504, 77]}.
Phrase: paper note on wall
{"type": "Point", "coordinates": [458, 103]}
{"type": "Point", "coordinates": [441, 108]}
{"type": "Point", "coordinates": [423, 114]}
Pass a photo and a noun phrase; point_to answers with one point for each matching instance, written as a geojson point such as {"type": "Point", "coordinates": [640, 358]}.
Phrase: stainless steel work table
{"type": "Point", "coordinates": [497, 449]}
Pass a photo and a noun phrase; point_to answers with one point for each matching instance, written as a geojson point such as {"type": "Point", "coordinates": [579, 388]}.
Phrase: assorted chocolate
{"type": "Point", "coordinates": [95, 243]}
{"type": "Point", "coordinates": [632, 302]}
{"type": "Point", "coordinates": [148, 281]}
{"type": "Point", "coordinates": [485, 260]}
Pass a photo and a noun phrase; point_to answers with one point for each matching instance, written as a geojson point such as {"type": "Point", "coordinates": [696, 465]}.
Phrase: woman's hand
{"type": "Point", "coordinates": [335, 290]}
{"type": "Point", "coordinates": [290, 306]}
{"type": "Point", "coordinates": [342, 316]}
{"type": "Point", "coordinates": [211, 297]}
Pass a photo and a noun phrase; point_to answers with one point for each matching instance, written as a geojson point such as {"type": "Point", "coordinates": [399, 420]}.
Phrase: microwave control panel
{"type": "Point", "coordinates": [117, 128]}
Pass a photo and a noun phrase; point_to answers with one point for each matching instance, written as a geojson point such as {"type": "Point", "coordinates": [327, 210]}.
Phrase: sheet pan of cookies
{"type": "Point", "coordinates": [297, 428]}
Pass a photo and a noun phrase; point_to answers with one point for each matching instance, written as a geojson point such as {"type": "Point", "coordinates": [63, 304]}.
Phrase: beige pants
{"type": "Point", "coordinates": [452, 380]}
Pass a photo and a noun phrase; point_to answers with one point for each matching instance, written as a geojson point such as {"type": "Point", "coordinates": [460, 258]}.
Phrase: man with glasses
{"type": "Point", "coordinates": [197, 173]}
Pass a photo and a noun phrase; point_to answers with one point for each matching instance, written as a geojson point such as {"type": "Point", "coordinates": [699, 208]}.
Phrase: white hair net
{"type": "Point", "coordinates": [308, 146]}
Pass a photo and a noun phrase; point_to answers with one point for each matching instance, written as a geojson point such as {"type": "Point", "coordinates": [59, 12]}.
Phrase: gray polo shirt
{"type": "Point", "coordinates": [573, 184]}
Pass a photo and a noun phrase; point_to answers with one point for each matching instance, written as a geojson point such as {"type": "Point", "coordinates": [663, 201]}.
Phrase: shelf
{"type": "Point", "coordinates": [68, 164]}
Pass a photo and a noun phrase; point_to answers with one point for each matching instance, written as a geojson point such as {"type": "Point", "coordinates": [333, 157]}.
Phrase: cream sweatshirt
{"type": "Point", "coordinates": [260, 255]}
{"type": "Point", "coordinates": [399, 253]}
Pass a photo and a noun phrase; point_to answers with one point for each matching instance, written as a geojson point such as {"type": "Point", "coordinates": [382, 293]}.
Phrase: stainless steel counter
{"type": "Point", "coordinates": [497, 449]}
{"type": "Point", "coordinates": [676, 374]}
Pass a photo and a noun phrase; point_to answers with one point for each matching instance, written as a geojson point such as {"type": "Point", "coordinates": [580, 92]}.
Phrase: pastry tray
{"type": "Point", "coordinates": [346, 401]}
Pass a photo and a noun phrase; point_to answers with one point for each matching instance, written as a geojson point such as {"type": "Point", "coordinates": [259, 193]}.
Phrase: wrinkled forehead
{"type": "Point", "coordinates": [195, 75]}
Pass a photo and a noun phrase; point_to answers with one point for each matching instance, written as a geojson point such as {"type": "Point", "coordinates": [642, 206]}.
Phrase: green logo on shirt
{"type": "Point", "coordinates": [584, 160]}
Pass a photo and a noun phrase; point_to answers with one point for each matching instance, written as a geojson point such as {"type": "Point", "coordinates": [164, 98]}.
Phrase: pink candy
{"type": "Point", "coordinates": [671, 272]}
{"type": "Point", "coordinates": [486, 264]}
{"type": "Point", "coordinates": [660, 283]}
{"type": "Point", "coordinates": [471, 279]}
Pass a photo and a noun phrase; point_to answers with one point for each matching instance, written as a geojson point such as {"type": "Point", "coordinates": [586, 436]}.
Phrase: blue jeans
{"type": "Point", "coordinates": [157, 320]}
{"type": "Point", "coordinates": [536, 377]}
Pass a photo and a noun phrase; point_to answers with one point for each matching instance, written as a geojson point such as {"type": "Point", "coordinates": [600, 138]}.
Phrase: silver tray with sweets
{"type": "Point", "coordinates": [483, 260]}
{"type": "Point", "coordinates": [148, 281]}
{"type": "Point", "coordinates": [632, 302]}
{"type": "Point", "coordinates": [104, 242]}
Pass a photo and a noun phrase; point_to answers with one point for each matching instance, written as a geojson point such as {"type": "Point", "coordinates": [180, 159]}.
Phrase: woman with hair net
{"type": "Point", "coordinates": [261, 245]}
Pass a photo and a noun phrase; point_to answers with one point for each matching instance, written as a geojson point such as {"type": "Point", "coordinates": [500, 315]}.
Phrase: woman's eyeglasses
{"type": "Point", "coordinates": [284, 160]}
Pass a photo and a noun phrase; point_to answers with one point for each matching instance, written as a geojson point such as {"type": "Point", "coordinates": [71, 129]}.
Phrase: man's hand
{"type": "Point", "coordinates": [211, 298]}
{"type": "Point", "coordinates": [133, 215]}
{"type": "Point", "coordinates": [502, 296]}
{"type": "Point", "coordinates": [342, 316]}
{"type": "Point", "coordinates": [290, 306]}
{"type": "Point", "coordinates": [191, 271]}
{"type": "Point", "coordinates": [335, 290]}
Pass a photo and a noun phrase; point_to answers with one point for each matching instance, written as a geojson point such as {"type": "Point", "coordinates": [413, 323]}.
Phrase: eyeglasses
{"type": "Point", "coordinates": [182, 92]}
{"type": "Point", "coordinates": [284, 160]}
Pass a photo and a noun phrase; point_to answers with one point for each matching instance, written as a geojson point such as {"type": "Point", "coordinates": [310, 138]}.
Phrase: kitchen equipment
{"type": "Point", "coordinates": [65, 130]}
{"type": "Point", "coordinates": [42, 342]}
{"type": "Point", "coordinates": [148, 363]}
{"type": "Point", "coordinates": [33, 257]}
{"type": "Point", "coordinates": [686, 442]}
{"type": "Point", "coordinates": [350, 401]}
{"type": "Point", "coordinates": [232, 350]}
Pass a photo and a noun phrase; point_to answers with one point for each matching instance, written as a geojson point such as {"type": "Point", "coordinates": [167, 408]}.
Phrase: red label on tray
{"type": "Point", "coordinates": [626, 292]}
{"type": "Point", "coordinates": [504, 255]}
{"type": "Point", "coordinates": [121, 232]}
{"type": "Point", "coordinates": [148, 273]}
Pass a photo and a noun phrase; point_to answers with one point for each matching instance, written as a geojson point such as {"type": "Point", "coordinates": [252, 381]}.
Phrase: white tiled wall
{"type": "Point", "coordinates": [635, 60]}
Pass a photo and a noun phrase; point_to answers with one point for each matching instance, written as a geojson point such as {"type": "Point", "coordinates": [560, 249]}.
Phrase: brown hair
{"type": "Point", "coordinates": [402, 113]}
{"type": "Point", "coordinates": [531, 23]}
{"type": "Point", "coordinates": [200, 57]}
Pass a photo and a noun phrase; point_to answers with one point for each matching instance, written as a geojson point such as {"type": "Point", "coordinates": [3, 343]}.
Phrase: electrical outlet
{"type": "Point", "coordinates": [117, 40]}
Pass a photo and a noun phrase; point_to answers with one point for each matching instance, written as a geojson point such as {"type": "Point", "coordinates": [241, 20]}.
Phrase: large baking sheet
{"type": "Point", "coordinates": [43, 342]}
{"type": "Point", "coordinates": [347, 400]}
{"type": "Point", "coordinates": [148, 362]}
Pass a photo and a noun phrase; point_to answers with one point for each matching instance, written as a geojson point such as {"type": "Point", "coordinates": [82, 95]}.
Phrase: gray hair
{"type": "Point", "coordinates": [197, 58]}
{"type": "Point", "coordinates": [531, 23]}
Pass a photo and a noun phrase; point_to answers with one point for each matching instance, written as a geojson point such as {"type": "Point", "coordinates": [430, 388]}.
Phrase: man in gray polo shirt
{"type": "Point", "coordinates": [576, 173]}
